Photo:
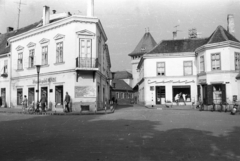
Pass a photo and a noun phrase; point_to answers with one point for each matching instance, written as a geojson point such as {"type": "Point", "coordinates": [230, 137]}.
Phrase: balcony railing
{"type": "Point", "coordinates": [86, 62]}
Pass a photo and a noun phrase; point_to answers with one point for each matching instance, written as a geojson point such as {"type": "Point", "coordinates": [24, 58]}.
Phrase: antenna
{"type": "Point", "coordinates": [19, 10]}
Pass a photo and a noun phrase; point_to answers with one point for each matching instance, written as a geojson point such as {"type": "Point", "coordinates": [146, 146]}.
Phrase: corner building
{"type": "Point", "coordinates": [74, 58]}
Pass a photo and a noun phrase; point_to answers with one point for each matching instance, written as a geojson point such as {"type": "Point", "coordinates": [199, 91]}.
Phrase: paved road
{"type": "Point", "coordinates": [130, 134]}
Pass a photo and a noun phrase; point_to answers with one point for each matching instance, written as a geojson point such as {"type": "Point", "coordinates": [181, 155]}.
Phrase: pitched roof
{"type": "Point", "coordinates": [220, 35]}
{"type": "Point", "coordinates": [183, 45]}
{"type": "Point", "coordinates": [4, 48]}
{"type": "Point", "coordinates": [122, 75]}
{"type": "Point", "coordinates": [119, 84]}
{"type": "Point", "coordinates": [145, 45]}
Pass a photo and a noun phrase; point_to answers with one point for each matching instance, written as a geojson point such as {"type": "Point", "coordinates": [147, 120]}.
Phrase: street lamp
{"type": "Point", "coordinates": [38, 71]}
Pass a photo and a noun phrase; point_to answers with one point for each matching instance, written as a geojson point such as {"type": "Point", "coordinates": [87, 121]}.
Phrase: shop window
{"type": "Point", "coordinates": [187, 65]}
{"type": "Point", "coordinates": [182, 90]}
{"type": "Point", "coordinates": [202, 69]}
{"type": "Point", "coordinates": [59, 95]}
{"type": "Point", "coordinates": [216, 65]}
{"type": "Point", "coordinates": [31, 96]}
{"type": "Point", "coordinates": [20, 61]}
{"type": "Point", "coordinates": [161, 68]}
{"type": "Point", "coordinates": [44, 55]}
{"type": "Point", "coordinates": [59, 54]}
{"type": "Point", "coordinates": [19, 96]}
{"type": "Point", "coordinates": [31, 58]}
{"type": "Point", "coordinates": [5, 68]}
{"type": "Point", "coordinates": [237, 61]}
{"type": "Point", "coordinates": [117, 94]}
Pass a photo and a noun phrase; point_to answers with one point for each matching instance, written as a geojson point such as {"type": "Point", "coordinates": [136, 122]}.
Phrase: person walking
{"type": "Point", "coordinates": [67, 102]}
{"type": "Point", "coordinates": [24, 103]}
{"type": "Point", "coordinates": [184, 98]}
{"type": "Point", "coordinates": [43, 102]}
{"type": "Point", "coordinates": [177, 98]}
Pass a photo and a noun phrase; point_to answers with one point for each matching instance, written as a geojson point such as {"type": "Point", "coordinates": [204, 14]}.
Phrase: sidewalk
{"type": "Point", "coordinates": [173, 107]}
{"type": "Point", "coordinates": [19, 111]}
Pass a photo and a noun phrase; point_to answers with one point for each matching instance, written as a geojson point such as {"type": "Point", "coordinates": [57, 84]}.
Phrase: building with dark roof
{"type": "Point", "coordinates": [195, 69]}
{"type": "Point", "coordinates": [74, 58]}
{"type": "Point", "coordinates": [145, 45]}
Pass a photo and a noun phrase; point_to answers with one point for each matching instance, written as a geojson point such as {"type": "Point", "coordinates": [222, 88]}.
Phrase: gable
{"type": "Point", "coordinates": [85, 33]}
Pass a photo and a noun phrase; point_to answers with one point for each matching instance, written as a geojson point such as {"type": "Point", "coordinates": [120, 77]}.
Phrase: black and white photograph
{"type": "Point", "coordinates": [119, 80]}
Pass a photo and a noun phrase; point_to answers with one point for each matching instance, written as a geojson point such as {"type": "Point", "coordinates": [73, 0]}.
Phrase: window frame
{"type": "Point", "coordinates": [184, 72]}
{"type": "Point", "coordinates": [237, 53]}
{"type": "Point", "coordinates": [18, 65]}
{"type": "Point", "coordinates": [59, 53]}
{"type": "Point", "coordinates": [31, 51]}
{"type": "Point", "coordinates": [44, 55]}
{"type": "Point", "coordinates": [203, 63]}
{"type": "Point", "coordinates": [161, 67]}
{"type": "Point", "coordinates": [5, 67]}
{"type": "Point", "coordinates": [220, 65]}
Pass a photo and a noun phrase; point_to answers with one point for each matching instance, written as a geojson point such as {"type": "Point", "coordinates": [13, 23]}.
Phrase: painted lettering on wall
{"type": "Point", "coordinates": [45, 80]}
{"type": "Point", "coordinates": [85, 91]}
{"type": "Point", "coordinates": [171, 81]}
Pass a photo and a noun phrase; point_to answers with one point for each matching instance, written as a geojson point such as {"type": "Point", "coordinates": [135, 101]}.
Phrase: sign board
{"type": "Point", "coordinates": [85, 91]}
{"type": "Point", "coordinates": [202, 81]}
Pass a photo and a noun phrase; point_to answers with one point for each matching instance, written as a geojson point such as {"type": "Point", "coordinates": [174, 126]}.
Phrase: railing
{"type": "Point", "coordinates": [86, 62]}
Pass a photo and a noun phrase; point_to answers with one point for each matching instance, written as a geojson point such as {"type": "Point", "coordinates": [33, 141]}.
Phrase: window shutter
{"type": "Point", "coordinates": [209, 94]}
{"type": "Point", "coordinates": [223, 93]}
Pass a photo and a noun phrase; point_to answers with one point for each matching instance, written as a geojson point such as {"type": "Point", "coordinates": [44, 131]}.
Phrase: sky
{"type": "Point", "coordinates": [124, 21]}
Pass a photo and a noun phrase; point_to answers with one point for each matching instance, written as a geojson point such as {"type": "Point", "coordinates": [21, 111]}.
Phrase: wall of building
{"type": "Point", "coordinates": [135, 73]}
{"type": "Point", "coordinates": [5, 81]}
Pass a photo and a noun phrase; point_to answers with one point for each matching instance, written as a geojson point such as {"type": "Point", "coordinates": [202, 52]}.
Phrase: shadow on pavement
{"type": "Point", "coordinates": [79, 138]}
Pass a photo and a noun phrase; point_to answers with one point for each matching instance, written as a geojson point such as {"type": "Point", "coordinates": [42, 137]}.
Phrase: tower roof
{"type": "Point", "coordinates": [145, 45]}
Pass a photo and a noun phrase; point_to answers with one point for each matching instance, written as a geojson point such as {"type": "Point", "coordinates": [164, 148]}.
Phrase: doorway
{"type": "Point", "coordinates": [59, 95]}
{"type": "Point", "coordinates": [3, 95]}
{"type": "Point", "coordinates": [160, 94]}
{"type": "Point", "coordinates": [44, 91]}
{"type": "Point", "coordinates": [31, 96]}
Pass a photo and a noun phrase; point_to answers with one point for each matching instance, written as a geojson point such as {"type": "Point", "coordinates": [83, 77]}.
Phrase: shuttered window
{"type": "Point", "coordinates": [31, 58]}
{"type": "Point", "coordinates": [216, 61]}
{"type": "Point", "coordinates": [187, 66]}
{"type": "Point", "coordinates": [20, 61]}
{"type": "Point", "coordinates": [59, 52]}
{"type": "Point", "coordinates": [161, 68]}
{"type": "Point", "coordinates": [237, 61]}
{"type": "Point", "coordinates": [44, 55]}
{"type": "Point", "coordinates": [202, 69]}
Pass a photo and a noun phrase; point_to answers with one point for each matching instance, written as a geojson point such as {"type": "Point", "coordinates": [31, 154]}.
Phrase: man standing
{"type": "Point", "coordinates": [43, 102]}
{"type": "Point", "coordinates": [67, 101]}
{"type": "Point", "coordinates": [184, 98]}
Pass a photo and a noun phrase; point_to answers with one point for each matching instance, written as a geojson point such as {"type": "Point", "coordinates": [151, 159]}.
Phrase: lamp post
{"type": "Point", "coordinates": [38, 71]}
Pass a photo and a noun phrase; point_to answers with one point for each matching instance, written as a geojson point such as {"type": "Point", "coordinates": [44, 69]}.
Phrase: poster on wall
{"type": "Point", "coordinates": [85, 91]}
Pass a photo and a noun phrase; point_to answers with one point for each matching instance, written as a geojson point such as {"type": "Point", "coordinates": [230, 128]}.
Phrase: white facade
{"type": "Point", "coordinates": [82, 70]}
{"type": "Point", "coordinates": [5, 80]}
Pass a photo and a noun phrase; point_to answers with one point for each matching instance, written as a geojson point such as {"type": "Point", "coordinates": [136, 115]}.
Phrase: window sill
{"type": "Point", "coordinates": [46, 65]}
{"type": "Point", "coordinates": [60, 63]}
{"type": "Point", "coordinates": [19, 70]}
{"type": "Point", "coordinates": [31, 68]}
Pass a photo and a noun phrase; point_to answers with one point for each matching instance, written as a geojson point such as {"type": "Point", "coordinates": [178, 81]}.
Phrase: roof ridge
{"type": "Point", "coordinates": [187, 39]}
{"type": "Point", "coordinates": [211, 36]}
{"type": "Point", "coordinates": [223, 33]}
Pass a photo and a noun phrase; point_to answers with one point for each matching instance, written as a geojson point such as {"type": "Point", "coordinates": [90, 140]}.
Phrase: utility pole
{"type": "Point", "coordinates": [19, 10]}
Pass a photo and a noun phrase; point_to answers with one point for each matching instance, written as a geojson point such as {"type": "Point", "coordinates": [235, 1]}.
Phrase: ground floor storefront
{"type": "Point", "coordinates": [4, 94]}
{"type": "Point", "coordinates": [87, 91]}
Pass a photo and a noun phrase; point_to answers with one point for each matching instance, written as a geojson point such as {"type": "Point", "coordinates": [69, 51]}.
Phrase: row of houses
{"type": "Point", "coordinates": [205, 69]}
{"type": "Point", "coordinates": [73, 54]}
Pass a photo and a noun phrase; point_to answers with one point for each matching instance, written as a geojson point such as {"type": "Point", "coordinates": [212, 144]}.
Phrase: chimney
{"type": "Point", "coordinates": [54, 11]}
{"type": "Point", "coordinates": [174, 35]}
{"type": "Point", "coordinates": [230, 24]}
{"type": "Point", "coordinates": [9, 29]}
{"type": "Point", "coordinates": [90, 6]}
{"type": "Point", "coordinates": [46, 15]}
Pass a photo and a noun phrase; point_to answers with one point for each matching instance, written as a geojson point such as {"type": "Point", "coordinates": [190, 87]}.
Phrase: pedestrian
{"type": "Point", "coordinates": [43, 102]}
{"type": "Point", "coordinates": [184, 98]}
{"type": "Point", "coordinates": [24, 103]}
{"type": "Point", "coordinates": [67, 102]}
{"type": "Point", "coordinates": [177, 98]}
{"type": "Point", "coordinates": [0, 101]}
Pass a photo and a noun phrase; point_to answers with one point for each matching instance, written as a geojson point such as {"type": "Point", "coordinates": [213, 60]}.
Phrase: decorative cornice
{"type": "Point", "coordinates": [31, 44]}
{"type": "Point", "coordinates": [218, 72]}
{"type": "Point", "coordinates": [44, 40]}
{"type": "Point", "coordinates": [228, 43]}
{"type": "Point", "coordinates": [85, 33]}
{"type": "Point", "coordinates": [19, 48]}
{"type": "Point", "coordinates": [59, 36]}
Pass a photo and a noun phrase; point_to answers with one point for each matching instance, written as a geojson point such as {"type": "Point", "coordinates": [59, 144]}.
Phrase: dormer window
{"type": "Point", "coordinates": [143, 49]}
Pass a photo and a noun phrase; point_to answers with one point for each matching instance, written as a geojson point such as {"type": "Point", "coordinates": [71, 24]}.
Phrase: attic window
{"type": "Point", "coordinates": [7, 44]}
{"type": "Point", "coordinates": [143, 49]}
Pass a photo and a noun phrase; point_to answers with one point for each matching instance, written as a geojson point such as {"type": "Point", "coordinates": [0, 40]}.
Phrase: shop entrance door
{"type": "Point", "coordinates": [31, 96]}
{"type": "Point", "coordinates": [3, 95]}
{"type": "Point", "coordinates": [44, 91]}
{"type": "Point", "coordinates": [59, 95]}
{"type": "Point", "coordinates": [160, 94]}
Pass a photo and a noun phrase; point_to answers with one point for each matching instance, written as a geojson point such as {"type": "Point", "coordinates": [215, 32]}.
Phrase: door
{"type": "Point", "coordinates": [31, 96]}
{"type": "Point", "coordinates": [59, 95]}
{"type": "Point", "coordinates": [160, 94]}
{"type": "Point", "coordinates": [3, 95]}
{"type": "Point", "coordinates": [19, 96]}
{"type": "Point", "coordinates": [44, 91]}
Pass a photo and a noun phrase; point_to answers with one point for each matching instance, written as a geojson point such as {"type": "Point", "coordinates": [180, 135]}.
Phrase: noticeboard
{"type": "Point", "coordinates": [85, 91]}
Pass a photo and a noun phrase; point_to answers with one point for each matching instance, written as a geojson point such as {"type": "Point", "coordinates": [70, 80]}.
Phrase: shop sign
{"type": "Point", "coordinates": [202, 81]}
{"type": "Point", "coordinates": [45, 80]}
{"type": "Point", "coordinates": [171, 81]}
